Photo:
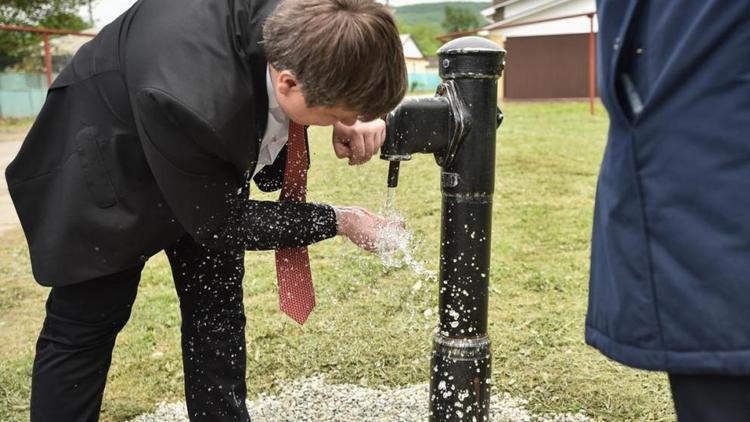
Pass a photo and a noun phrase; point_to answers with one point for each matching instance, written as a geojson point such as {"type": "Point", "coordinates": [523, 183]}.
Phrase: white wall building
{"type": "Point", "coordinates": [416, 62]}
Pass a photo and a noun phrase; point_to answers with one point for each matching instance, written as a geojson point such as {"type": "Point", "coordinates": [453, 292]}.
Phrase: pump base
{"type": "Point", "coordinates": [460, 381]}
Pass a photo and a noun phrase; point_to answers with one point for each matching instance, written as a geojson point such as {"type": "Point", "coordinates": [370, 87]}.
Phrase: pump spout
{"type": "Point", "coordinates": [434, 125]}
{"type": "Point", "coordinates": [393, 167]}
{"type": "Point", "coordinates": [416, 125]}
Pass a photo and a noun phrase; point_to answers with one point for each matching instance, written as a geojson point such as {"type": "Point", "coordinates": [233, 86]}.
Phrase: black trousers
{"type": "Point", "coordinates": [711, 398]}
{"type": "Point", "coordinates": [74, 349]}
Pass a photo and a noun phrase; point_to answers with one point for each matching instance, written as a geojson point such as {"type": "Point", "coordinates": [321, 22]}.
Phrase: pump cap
{"type": "Point", "coordinates": [471, 58]}
{"type": "Point", "coordinates": [465, 45]}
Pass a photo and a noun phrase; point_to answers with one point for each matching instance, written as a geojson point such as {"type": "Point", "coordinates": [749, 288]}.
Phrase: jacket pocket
{"type": "Point", "coordinates": [95, 173]}
{"type": "Point", "coordinates": [622, 301]}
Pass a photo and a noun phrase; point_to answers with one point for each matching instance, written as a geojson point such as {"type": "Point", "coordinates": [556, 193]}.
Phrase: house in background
{"type": "Point", "coordinates": [416, 62]}
{"type": "Point", "coordinates": [422, 76]}
{"type": "Point", "coordinates": [548, 44]}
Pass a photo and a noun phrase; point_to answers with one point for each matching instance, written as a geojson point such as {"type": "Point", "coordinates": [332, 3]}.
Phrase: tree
{"type": "Point", "coordinates": [15, 47]}
{"type": "Point", "coordinates": [424, 35]}
{"type": "Point", "coordinates": [459, 19]}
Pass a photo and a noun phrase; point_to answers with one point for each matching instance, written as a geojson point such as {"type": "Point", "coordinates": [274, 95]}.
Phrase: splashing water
{"type": "Point", "coordinates": [394, 242]}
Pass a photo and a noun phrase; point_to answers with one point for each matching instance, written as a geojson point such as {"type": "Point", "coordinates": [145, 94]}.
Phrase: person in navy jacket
{"type": "Point", "coordinates": [670, 259]}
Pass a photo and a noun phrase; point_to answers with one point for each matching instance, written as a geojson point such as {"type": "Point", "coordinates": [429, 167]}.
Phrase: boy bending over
{"type": "Point", "coordinates": [149, 140]}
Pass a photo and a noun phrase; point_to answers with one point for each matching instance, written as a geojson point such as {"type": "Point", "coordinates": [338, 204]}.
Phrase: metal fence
{"type": "Point", "coordinates": [22, 94]}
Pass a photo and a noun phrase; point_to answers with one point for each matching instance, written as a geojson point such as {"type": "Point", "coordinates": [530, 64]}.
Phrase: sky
{"type": "Point", "coordinates": [106, 11]}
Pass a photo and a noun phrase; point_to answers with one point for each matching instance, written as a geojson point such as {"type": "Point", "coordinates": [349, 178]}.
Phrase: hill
{"type": "Point", "coordinates": [424, 21]}
{"type": "Point", "coordinates": [432, 13]}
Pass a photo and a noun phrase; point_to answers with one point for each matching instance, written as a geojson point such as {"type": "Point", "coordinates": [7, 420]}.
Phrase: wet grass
{"type": "Point", "coordinates": [370, 326]}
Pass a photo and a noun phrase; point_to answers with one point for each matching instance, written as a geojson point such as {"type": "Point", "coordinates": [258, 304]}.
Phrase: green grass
{"type": "Point", "coordinates": [369, 326]}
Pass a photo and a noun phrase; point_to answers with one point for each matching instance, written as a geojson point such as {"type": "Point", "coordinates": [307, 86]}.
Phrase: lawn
{"type": "Point", "coordinates": [370, 325]}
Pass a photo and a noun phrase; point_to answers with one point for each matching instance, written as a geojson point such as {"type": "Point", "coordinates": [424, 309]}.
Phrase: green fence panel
{"type": "Point", "coordinates": [22, 94]}
{"type": "Point", "coordinates": [423, 81]}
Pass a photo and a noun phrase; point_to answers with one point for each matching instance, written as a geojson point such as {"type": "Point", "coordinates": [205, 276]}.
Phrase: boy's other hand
{"type": "Point", "coordinates": [358, 142]}
{"type": "Point", "coordinates": [361, 226]}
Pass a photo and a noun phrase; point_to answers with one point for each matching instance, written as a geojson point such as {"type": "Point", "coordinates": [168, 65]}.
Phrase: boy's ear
{"type": "Point", "coordinates": [286, 82]}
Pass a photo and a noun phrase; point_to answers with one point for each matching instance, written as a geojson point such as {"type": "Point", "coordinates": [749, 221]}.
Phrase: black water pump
{"type": "Point", "coordinates": [458, 125]}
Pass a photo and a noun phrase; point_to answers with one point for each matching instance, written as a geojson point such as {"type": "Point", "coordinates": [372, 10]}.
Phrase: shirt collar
{"type": "Point", "coordinates": [272, 102]}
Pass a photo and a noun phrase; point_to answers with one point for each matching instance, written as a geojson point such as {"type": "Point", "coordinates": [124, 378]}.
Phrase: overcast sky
{"type": "Point", "coordinates": [107, 10]}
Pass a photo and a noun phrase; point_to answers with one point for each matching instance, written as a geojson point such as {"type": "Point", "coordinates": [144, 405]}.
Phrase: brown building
{"type": "Point", "coordinates": [548, 46]}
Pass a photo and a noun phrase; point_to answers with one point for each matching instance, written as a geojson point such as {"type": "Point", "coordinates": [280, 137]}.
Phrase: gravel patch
{"type": "Point", "coordinates": [312, 399]}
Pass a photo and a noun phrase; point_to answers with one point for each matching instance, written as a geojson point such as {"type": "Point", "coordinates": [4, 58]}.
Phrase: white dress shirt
{"type": "Point", "coordinates": [277, 129]}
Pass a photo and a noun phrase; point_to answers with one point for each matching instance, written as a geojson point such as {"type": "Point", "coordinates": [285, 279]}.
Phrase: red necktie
{"type": "Point", "coordinates": [296, 293]}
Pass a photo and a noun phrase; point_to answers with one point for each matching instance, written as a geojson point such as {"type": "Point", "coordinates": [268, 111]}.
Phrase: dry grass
{"type": "Point", "coordinates": [15, 125]}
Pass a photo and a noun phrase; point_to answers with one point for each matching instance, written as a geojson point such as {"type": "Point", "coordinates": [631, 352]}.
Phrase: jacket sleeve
{"type": "Point", "coordinates": [205, 192]}
{"type": "Point", "coordinates": [264, 225]}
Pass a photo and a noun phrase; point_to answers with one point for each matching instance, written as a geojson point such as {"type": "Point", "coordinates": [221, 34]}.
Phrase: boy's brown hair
{"type": "Point", "coordinates": [343, 52]}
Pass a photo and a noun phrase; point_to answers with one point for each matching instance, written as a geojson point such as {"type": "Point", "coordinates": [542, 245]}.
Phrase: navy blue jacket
{"type": "Point", "coordinates": [670, 259]}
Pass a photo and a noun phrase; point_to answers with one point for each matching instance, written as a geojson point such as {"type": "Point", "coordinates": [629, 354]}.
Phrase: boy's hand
{"type": "Point", "coordinates": [361, 226]}
{"type": "Point", "coordinates": [358, 142]}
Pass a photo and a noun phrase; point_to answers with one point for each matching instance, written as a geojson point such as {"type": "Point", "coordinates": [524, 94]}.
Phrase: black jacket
{"type": "Point", "coordinates": [150, 132]}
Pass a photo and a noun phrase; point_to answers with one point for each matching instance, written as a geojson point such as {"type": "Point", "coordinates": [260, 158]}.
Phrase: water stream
{"type": "Point", "coordinates": [390, 202]}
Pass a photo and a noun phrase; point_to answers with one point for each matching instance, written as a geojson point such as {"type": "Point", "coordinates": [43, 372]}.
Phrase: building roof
{"type": "Point", "coordinates": [488, 12]}
{"type": "Point", "coordinates": [535, 8]}
{"type": "Point", "coordinates": [411, 49]}
{"type": "Point", "coordinates": [535, 17]}
{"type": "Point", "coordinates": [545, 17]}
